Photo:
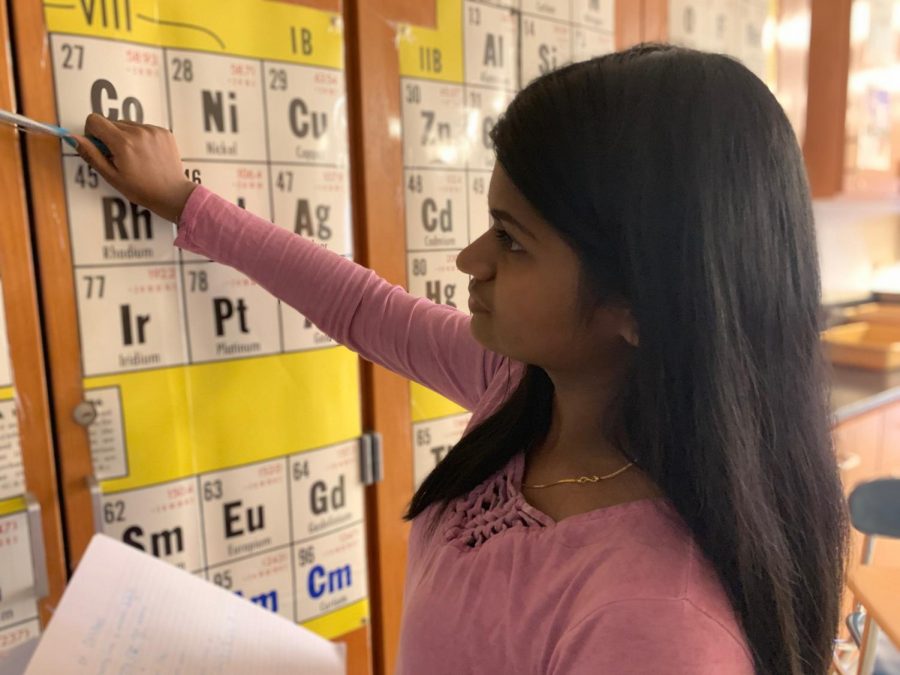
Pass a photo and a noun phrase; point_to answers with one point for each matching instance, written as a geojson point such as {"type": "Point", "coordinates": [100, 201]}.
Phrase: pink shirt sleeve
{"type": "Point", "coordinates": [414, 337]}
{"type": "Point", "coordinates": [635, 637]}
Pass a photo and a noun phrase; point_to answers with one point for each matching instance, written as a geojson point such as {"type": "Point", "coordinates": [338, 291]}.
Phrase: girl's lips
{"type": "Point", "coordinates": [475, 305]}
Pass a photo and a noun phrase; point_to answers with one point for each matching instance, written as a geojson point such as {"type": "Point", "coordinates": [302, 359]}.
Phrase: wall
{"type": "Point", "coordinates": [859, 247]}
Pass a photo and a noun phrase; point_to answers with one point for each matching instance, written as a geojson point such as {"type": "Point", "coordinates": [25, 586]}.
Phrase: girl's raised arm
{"type": "Point", "coordinates": [414, 337]}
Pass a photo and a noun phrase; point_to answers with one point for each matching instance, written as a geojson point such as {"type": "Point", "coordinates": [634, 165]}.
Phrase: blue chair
{"type": "Point", "coordinates": [875, 511]}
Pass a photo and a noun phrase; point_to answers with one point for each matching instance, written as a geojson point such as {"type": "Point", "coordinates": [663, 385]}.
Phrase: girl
{"type": "Point", "coordinates": [647, 484]}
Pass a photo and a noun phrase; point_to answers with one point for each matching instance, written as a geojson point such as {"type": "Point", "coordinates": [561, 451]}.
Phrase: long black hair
{"type": "Point", "coordinates": [677, 179]}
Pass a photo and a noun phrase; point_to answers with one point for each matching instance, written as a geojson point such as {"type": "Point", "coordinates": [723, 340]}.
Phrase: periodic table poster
{"type": "Point", "coordinates": [19, 620]}
{"type": "Point", "coordinates": [455, 81]}
{"type": "Point", "coordinates": [744, 29]}
{"type": "Point", "coordinates": [12, 476]}
{"type": "Point", "coordinates": [226, 430]}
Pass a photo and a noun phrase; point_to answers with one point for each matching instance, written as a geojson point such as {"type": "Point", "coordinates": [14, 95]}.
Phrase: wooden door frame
{"type": "Point", "coordinates": [25, 338]}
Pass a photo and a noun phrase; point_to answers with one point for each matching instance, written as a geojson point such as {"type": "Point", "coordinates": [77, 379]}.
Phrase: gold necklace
{"type": "Point", "coordinates": [582, 480]}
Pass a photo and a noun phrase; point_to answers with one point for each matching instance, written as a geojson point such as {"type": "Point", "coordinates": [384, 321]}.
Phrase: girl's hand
{"type": "Point", "coordinates": [144, 163]}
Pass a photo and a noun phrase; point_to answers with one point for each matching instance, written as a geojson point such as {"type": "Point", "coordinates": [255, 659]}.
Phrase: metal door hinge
{"type": "Point", "coordinates": [371, 468]}
{"type": "Point", "coordinates": [38, 552]}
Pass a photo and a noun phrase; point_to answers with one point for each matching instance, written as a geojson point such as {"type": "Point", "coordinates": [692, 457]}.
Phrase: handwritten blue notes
{"type": "Point", "coordinates": [126, 612]}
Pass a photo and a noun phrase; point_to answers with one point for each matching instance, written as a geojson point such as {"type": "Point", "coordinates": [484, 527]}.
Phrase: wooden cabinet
{"type": "Point", "coordinates": [852, 141]}
{"type": "Point", "coordinates": [393, 43]}
{"type": "Point", "coordinates": [152, 450]}
{"type": "Point", "coordinates": [174, 77]}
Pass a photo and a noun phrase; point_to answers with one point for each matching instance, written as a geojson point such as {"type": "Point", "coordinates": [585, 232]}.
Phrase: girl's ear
{"type": "Point", "coordinates": [629, 330]}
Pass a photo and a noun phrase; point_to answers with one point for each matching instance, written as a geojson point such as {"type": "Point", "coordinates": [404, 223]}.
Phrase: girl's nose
{"type": "Point", "coordinates": [476, 259]}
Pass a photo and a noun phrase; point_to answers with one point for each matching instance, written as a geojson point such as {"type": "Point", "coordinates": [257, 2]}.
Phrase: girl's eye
{"type": "Point", "coordinates": [504, 238]}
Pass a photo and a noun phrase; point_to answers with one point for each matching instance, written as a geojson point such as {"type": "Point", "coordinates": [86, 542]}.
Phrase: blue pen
{"type": "Point", "coordinates": [28, 124]}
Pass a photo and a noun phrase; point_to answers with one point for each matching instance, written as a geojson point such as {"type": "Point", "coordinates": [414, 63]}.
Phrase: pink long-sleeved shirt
{"type": "Point", "coordinates": [501, 587]}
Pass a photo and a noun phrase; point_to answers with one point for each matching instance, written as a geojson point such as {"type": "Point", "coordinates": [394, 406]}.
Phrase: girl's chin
{"type": "Point", "coordinates": [480, 330]}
